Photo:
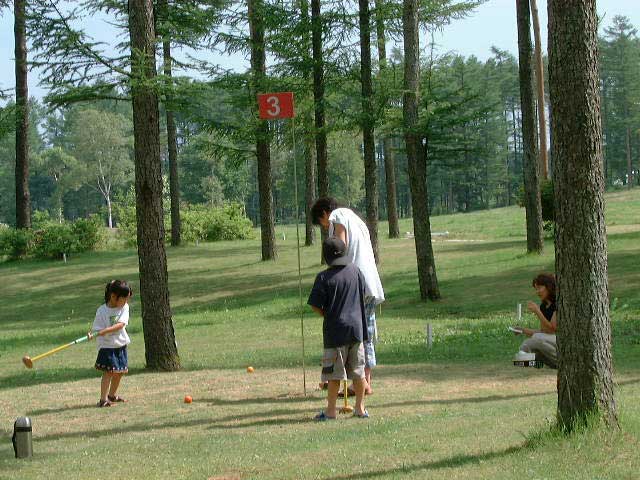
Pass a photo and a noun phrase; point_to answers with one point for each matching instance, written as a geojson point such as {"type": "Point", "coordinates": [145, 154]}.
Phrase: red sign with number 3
{"type": "Point", "coordinates": [276, 105]}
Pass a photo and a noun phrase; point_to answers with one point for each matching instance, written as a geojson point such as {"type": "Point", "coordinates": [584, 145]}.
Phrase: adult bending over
{"type": "Point", "coordinates": [344, 224]}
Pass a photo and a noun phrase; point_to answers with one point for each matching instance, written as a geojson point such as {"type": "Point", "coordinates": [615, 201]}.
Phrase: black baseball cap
{"type": "Point", "coordinates": [334, 251]}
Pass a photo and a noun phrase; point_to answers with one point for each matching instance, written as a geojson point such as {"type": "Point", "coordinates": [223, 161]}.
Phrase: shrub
{"type": "Point", "coordinates": [87, 233]}
{"type": "Point", "coordinates": [15, 243]}
{"type": "Point", "coordinates": [229, 222]}
{"type": "Point", "coordinates": [54, 240]}
{"type": "Point", "coordinates": [40, 219]}
{"type": "Point", "coordinates": [193, 221]}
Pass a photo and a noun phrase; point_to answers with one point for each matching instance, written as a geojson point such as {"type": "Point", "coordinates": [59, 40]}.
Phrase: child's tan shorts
{"type": "Point", "coordinates": [343, 362]}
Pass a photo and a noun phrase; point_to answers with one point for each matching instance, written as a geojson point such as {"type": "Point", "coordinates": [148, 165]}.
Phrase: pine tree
{"type": "Point", "coordinates": [533, 207]}
{"type": "Point", "coordinates": [256, 11]}
{"type": "Point", "coordinates": [416, 154]}
{"type": "Point", "coordinates": [585, 378]}
{"type": "Point", "coordinates": [23, 202]}
{"type": "Point", "coordinates": [161, 350]}
{"type": "Point", "coordinates": [367, 125]}
{"type": "Point", "coordinates": [387, 150]}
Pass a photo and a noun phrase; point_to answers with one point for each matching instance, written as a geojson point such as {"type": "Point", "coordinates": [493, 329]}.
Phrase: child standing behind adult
{"type": "Point", "coordinates": [109, 327]}
{"type": "Point", "coordinates": [338, 295]}
{"type": "Point", "coordinates": [344, 224]}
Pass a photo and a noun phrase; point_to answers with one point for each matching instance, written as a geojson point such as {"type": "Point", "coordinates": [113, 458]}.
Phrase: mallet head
{"type": "Point", "coordinates": [346, 409]}
{"type": "Point", "coordinates": [27, 361]}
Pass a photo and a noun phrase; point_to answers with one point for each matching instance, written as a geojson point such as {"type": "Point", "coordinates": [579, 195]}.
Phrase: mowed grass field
{"type": "Point", "coordinates": [459, 410]}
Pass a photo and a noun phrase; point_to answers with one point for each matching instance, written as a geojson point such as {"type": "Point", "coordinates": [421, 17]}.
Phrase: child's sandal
{"type": "Point", "coordinates": [323, 417]}
{"type": "Point", "coordinates": [104, 403]}
{"type": "Point", "coordinates": [115, 399]}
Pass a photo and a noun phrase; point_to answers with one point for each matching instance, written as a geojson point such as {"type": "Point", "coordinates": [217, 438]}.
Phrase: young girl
{"type": "Point", "coordinates": [109, 326]}
{"type": "Point", "coordinates": [542, 342]}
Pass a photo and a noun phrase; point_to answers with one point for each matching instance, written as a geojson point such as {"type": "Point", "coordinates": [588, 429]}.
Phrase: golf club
{"type": "Point", "coordinates": [346, 408]}
{"type": "Point", "coordinates": [28, 361]}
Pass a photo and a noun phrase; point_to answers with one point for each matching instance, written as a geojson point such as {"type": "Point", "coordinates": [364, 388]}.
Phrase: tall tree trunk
{"type": "Point", "coordinates": [23, 199]}
{"type": "Point", "coordinates": [317, 29]}
{"type": "Point", "coordinates": [515, 147]}
{"type": "Point", "coordinates": [309, 135]}
{"type": "Point", "coordinates": [531, 168]}
{"type": "Point", "coordinates": [541, 100]}
{"type": "Point", "coordinates": [387, 150]}
{"type": "Point", "coordinates": [585, 378]}
{"type": "Point", "coordinates": [161, 351]}
{"type": "Point", "coordinates": [416, 154]}
{"type": "Point", "coordinates": [629, 164]}
{"type": "Point", "coordinates": [367, 122]}
{"type": "Point", "coordinates": [172, 145]}
{"type": "Point", "coordinates": [263, 153]}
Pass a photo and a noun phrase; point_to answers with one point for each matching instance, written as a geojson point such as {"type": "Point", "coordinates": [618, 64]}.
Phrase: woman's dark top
{"type": "Point", "coordinates": [548, 310]}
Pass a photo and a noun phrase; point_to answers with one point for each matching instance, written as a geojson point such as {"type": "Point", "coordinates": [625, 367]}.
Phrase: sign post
{"type": "Point", "coordinates": [275, 106]}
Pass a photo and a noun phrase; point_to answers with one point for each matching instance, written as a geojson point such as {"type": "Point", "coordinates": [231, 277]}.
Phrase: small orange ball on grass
{"type": "Point", "coordinates": [188, 399]}
{"type": "Point", "coordinates": [250, 369]}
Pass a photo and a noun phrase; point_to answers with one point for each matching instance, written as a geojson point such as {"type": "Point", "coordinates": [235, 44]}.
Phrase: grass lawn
{"type": "Point", "coordinates": [459, 410]}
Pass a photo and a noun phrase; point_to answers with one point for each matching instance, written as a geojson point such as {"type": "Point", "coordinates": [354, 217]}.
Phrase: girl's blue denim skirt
{"type": "Point", "coordinates": [112, 360]}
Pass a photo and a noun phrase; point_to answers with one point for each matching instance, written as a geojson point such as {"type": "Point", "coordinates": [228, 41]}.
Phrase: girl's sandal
{"type": "Point", "coordinates": [104, 403]}
{"type": "Point", "coordinates": [115, 399]}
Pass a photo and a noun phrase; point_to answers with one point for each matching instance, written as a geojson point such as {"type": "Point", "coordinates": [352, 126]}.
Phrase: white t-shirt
{"type": "Point", "coordinates": [106, 317]}
{"type": "Point", "coordinates": [359, 249]}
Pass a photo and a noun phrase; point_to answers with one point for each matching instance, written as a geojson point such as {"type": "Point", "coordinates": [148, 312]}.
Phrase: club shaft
{"type": "Point", "coordinates": [57, 349]}
{"type": "Point", "coordinates": [51, 352]}
{"type": "Point", "coordinates": [295, 190]}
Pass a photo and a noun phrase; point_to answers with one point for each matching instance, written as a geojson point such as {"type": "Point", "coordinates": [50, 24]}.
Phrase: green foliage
{"type": "Point", "coordinates": [53, 241]}
{"type": "Point", "coordinates": [124, 208]}
{"type": "Point", "coordinates": [202, 223]}
{"type": "Point", "coordinates": [40, 219]}
{"type": "Point", "coordinates": [49, 239]}
{"type": "Point", "coordinates": [87, 233]}
{"type": "Point", "coordinates": [15, 243]}
{"type": "Point", "coordinates": [199, 222]}
{"type": "Point", "coordinates": [620, 90]}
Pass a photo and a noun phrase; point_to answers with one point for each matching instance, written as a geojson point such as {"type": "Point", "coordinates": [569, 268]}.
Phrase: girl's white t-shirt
{"type": "Point", "coordinates": [107, 317]}
{"type": "Point", "coordinates": [359, 249]}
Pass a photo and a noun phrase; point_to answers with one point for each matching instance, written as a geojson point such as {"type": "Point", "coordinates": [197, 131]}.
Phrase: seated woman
{"type": "Point", "coordinates": [542, 342]}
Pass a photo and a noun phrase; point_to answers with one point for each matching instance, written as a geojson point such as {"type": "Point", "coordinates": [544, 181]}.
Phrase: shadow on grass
{"type": "Point", "coordinates": [222, 402]}
{"type": "Point", "coordinates": [34, 377]}
{"type": "Point", "coordinates": [213, 424]}
{"type": "Point", "coordinates": [451, 462]}
{"type": "Point", "coordinates": [48, 411]}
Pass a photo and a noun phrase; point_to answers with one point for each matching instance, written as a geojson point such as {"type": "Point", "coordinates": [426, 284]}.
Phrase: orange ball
{"type": "Point", "coordinates": [188, 399]}
{"type": "Point", "coordinates": [250, 369]}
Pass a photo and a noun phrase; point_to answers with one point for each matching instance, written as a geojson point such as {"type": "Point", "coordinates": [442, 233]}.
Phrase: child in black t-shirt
{"type": "Point", "coordinates": [338, 295]}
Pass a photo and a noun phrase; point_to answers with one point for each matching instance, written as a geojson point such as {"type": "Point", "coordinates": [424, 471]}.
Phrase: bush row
{"type": "Point", "coordinates": [199, 223]}
{"type": "Point", "coordinates": [51, 240]}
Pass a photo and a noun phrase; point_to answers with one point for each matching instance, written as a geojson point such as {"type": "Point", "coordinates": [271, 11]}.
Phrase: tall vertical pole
{"type": "Point", "coordinates": [295, 194]}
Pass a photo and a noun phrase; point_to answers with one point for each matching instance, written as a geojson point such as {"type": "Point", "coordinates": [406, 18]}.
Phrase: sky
{"type": "Point", "coordinates": [492, 24]}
